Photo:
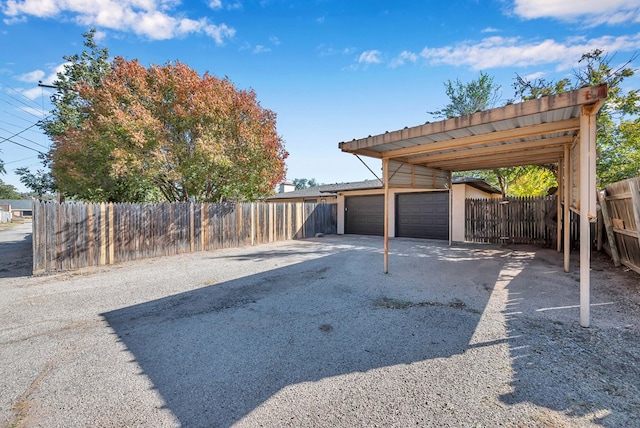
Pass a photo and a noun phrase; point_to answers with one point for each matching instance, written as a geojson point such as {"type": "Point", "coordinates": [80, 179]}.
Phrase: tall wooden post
{"type": "Point", "coordinates": [385, 178]}
{"type": "Point", "coordinates": [566, 212]}
{"type": "Point", "coordinates": [587, 204]}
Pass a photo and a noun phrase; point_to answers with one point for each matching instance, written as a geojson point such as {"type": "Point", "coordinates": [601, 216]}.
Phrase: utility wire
{"type": "Point", "coordinates": [25, 97]}
{"type": "Point", "coordinates": [20, 160]}
{"type": "Point", "coordinates": [25, 138]}
{"type": "Point", "coordinates": [18, 144]}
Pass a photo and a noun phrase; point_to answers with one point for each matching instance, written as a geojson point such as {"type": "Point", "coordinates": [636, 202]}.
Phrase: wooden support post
{"type": "Point", "coordinates": [566, 212]}
{"type": "Point", "coordinates": [385, 178]}
{"type": "Point", "coordinates": [559, 205]}
{"type": "Point", "coordinates": [587, 189]}
{"type": "Point", "coordinates": [606, 218]}
{"type": "Point", "coordinates": [450, 209]}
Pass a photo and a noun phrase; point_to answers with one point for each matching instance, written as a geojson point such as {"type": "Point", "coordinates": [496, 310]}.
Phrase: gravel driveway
{"type": "Point", "coordinates": [311, 333]}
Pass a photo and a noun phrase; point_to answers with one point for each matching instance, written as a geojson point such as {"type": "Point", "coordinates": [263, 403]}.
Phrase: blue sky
{"type": "Point", "coordinates": [332, 70]}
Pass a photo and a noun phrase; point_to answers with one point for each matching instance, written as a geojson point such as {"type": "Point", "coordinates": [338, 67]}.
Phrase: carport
{"type": "Point", "coordinates": [554, 129]}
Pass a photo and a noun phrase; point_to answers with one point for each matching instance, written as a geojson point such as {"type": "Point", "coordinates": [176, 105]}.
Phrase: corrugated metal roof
{"type": "Point", "coordinates": [528, 133]}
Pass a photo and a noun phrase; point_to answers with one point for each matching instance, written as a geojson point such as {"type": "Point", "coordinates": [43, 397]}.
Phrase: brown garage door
{"type": "Point", "coordinates": [423, 215]}
{"type": "Point", "coordinates": [364, 215]}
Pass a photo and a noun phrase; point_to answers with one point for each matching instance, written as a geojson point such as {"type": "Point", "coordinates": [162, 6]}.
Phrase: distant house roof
{"type": "Point", "coordinates": [478, 183]}
{"type": "Point", "coordinates": [308, 193]}
{"type": "Point", "coordinates": [356, 185]}
{"type": "Point", "coordinates": [330, 190]}
{"type": "Point", "coordinates": [18, 204]}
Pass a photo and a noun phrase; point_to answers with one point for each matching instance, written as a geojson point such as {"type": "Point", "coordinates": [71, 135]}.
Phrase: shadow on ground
{"type": "Point", "coordinates": [217, 353]}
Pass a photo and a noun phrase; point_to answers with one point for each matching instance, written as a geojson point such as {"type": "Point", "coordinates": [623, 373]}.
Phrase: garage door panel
{"type": "Point", "coordinates": [364, 215]}
{"type": "Point", "coordinates": [423, 215]}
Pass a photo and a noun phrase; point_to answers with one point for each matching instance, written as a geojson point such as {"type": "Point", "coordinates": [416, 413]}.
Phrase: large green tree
{"type": "Point", "coordinates": [303, 183]}
{"type": "Point", "coordinates": [468, 98]}
{"type": "Point", "coordinates": [88, 68]}
{"type": "Point", "coordinates": [8, 191]}
{"type": "Point", "coordinates": [478, 95]}
{"type": "Point", "coordinates": [618, 130]}
{"type": "Point", "coordinates": [41, 182]}
{"type": "Point", "coordinates": [170, 133]}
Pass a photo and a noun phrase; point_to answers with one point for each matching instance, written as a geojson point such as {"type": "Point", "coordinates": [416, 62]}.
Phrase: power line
{"type": "Point", "coordinates": [25, 108]}
{"type": "Point", "coordinates": [26, 97]}
{"type": "Point", "coordinates": [18, 144]}
{"type": "Point", "coordinates": [25, 138]}
{"type": "Point", "coordinates": [20, 160]}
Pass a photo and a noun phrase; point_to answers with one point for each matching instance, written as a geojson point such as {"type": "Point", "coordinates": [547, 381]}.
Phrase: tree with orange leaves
{"type": "Point", "coordinates": [167, 133]}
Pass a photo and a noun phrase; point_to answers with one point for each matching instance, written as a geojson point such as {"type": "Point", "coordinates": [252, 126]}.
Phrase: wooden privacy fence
{"type": "Point", "coordinates": [620, 209]}
{"type": "Point", "coordinates": [70, 236]}
{"type": "Point", "coordinates": [515, 220]}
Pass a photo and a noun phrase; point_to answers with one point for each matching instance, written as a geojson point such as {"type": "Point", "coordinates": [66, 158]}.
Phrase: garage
{"type": "Point", "coordinates": [364, 215]}
{"type": "Point", "coordinates": [422, 215]}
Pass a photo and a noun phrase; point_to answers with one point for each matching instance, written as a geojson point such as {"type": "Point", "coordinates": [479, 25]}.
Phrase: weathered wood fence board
{"type": "Point", "coordinates": [528, 220]}
{"type": "Point", "coordinates": [70, 236]}
{"type": "Point", "coordinates": [622, 201]}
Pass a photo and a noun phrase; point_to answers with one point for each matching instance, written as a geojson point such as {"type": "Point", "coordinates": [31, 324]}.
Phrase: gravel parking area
{"type": "Point", "coordinates": [312, 333]}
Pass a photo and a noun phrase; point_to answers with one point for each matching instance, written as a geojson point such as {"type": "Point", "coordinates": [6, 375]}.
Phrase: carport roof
{"type": "Point", "coordinates": [532, 132]}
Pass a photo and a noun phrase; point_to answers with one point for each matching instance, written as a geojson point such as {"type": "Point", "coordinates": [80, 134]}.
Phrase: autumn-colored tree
{"type": "Point", "coordinates": [165, 131]}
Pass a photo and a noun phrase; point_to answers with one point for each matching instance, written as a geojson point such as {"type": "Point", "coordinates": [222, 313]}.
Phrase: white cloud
{"type": "Point", "coordinates": [534, 76]}
{"type": "Point", "coordinates": [48, 79]}
{"type": "Point", "coordinates": [215, 4]}
{"type": "Point", "coordinates": [261, 49]}
{"type": "Point", "coordinates": [489, 30]}
{"type": "Point", "coordinates": [403, 58]}
{"type": "Point", "coordinates": [496, 52]}
{"type": "Point", "coordinates": [591, 12]}
{"type": "Point", "coordinates": [324, 50]}
{"type": "Point", "coordinates": [219, 32]}
{"type": "Point", "coordinates": [33, 93]}
{"type": "Point", "coordinates": [369, 57]}
{"type": "Point", "coordinates": [32, 76]}
{"type": "Point", "coordinates": [155, 19]}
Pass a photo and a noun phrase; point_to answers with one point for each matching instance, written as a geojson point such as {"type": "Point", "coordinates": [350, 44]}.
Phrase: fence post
{"type": "Point", "coordinates": [192, 226]}
{"type": "Point", "coordinates": [111, 234]}
{"type": "Point", "coordinates": [609, 228]}
{"type": "Point", "coordinates": [635, 204]}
